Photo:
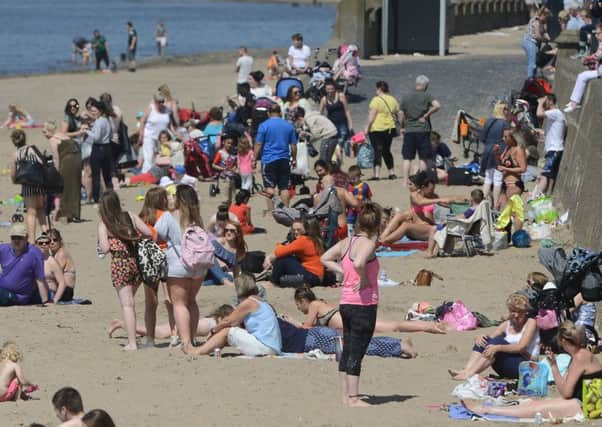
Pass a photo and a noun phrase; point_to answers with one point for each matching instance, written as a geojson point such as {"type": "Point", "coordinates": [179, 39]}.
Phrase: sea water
{"type": "Point", "coordinates": [37, 35]}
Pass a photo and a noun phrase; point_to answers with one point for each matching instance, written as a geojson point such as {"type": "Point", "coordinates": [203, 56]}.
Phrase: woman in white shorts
{"type": "Point", "coordinates": [261, 333]}
{"type": "Point", "coordinates": [182, 284]}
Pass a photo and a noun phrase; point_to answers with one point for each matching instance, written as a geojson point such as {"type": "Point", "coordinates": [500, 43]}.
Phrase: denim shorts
{"type": "Point", "coordinates": [551, 164]}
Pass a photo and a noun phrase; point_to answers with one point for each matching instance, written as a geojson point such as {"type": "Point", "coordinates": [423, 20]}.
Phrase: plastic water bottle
{"type": "Point", "coordinates": [217, 353]}
{"type": "Point", "coordinates": [538, 419]}
{"type": "Point", "coordinates": [99, 252]}
{"type": "Point", "coordinates": [83, 194]}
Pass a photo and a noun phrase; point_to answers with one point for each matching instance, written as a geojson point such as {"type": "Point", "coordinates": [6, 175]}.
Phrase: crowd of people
{"type": "Point", "coordinates": [334, 236]}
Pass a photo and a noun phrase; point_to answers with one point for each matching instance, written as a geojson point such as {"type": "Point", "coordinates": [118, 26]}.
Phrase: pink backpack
{"type": "Point", "coordinates": [460, 317]}
{"type": "Point", "coordinates": [197, 249]}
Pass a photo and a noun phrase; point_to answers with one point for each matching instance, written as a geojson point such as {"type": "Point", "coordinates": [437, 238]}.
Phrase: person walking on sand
{"type": "Point", "coordinates": [161, 38]}
{"type": "Point", "coordinates": [244, 65]}
{"type": "Point", "coordinates": [101, 49]}
{"type": "Point", "coordinates": [355, 259]}
{"type": "Point", "coordinates": [132, 45]}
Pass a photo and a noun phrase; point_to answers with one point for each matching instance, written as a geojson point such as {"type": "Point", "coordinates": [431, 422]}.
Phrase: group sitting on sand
{"type": "Point", "coordinates": [332, 237]}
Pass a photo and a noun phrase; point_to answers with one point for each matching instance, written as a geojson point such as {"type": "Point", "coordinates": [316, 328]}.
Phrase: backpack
{"type": "Point", "coordinates": [365, 156]}
{"type": "Point", "coordinates": [460, 318]}
{"type": "Point", "coordinates": [151, 262]}
{"type": "Point", "coordinates": [197, 249]}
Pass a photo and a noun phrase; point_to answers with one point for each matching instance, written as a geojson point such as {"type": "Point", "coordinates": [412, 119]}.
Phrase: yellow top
{"type": "Point", "coordinates": [384, 117]}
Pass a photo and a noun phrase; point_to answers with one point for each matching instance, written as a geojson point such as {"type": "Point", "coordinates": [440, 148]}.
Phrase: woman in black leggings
{"type": "Point", "coordinates": [384, 112]}
{"type": "Point", "coordinates": [355, 259]}
{"type": "Point", "coordinates": [101, 159]}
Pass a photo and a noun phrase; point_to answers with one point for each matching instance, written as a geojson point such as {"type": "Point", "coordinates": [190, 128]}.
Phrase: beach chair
{"type": "Point", "coordinates": [475, 233]}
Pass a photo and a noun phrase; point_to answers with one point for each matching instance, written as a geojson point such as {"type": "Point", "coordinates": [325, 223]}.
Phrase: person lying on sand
{"type": "Point", "coordinates": [320, 313]}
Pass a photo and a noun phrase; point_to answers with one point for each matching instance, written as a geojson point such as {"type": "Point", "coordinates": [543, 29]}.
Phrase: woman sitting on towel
{"type": "Point", "coordinates": [261, 333]}
{"type": "Point", "coordinates": [299, 257]}
{"type": "Point", "coordinates": [584, 365]}
{"type": "Point", "coordinates": [514, 341]}
{"type": "Point", "coordinates": [421, 224]}
{"type": "Point", "coordinates": [320, 313]}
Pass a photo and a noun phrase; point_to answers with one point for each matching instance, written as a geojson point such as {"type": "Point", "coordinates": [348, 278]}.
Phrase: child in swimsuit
{"type": "Point", "coordinates": [12, 380]}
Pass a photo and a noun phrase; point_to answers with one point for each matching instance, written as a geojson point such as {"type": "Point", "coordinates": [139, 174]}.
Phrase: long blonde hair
{"type": "Point", "coordinates": [499, 110]}
{"type": "Point", "coordinates": [187, 202]}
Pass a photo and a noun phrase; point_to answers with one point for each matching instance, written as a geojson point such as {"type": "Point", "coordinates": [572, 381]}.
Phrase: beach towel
{"type": "Point", "coordinates": [76, 301]}
{"type": "Point", "coordinates": [406, 244]}
{"type": "Point", "coordinates": [395, 254]}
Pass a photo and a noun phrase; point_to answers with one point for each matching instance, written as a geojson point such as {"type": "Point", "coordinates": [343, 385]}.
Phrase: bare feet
{"type": "Point", "coordinates": [356, 402]}
{"type": "Point", "coordinates": [457, 375]}
{"type": "Point", "coordinates": [115, 324]}
{"type": "Point", "coordinates": [130, 347]}
{"type": "Point", "coordinates": [408, 351]}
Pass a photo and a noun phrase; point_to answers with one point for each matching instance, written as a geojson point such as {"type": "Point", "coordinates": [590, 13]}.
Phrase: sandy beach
{"type": "Point", "coordinates": [68, 345]}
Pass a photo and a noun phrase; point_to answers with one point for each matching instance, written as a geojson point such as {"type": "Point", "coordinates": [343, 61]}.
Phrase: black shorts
{"type": "Point", "coordinates": [417, 142]}
{"type": "Point", "coordinates": [277, 174]}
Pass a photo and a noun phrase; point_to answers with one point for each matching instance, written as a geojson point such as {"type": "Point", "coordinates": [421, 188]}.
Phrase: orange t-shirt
{"type": "Point", "coordinates": [304, 249]}
{"type": "Point", "coordinates": [241, 212]}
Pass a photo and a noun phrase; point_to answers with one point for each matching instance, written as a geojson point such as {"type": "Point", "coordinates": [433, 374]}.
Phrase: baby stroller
{"type": "Point", "coordinates": [347, 72]}
{"type": "Point", "coordinates": [532, 90]}
{"type": "Point", "coordinates": [283, 86]}
{"type": "Point", "coordinates": [320, 73]}
{"type": "Point", "coordinates": [467, 132]}
{"type": "Point", "coordinates": [261, 112]}
{"type": "Point", "coordinates": [577, 272]}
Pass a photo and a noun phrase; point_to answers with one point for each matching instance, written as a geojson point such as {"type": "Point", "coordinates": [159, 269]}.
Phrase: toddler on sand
{"type": "Point", "coordinates": [11, 375]}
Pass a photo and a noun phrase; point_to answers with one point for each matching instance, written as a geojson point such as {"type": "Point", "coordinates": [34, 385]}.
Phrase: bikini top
{"type": "Point", "coordinates": [426, 209]}
{"type": "Point", "coordinates": [324, 319]}
{"type": "Point", "coordinates": [578, 391]}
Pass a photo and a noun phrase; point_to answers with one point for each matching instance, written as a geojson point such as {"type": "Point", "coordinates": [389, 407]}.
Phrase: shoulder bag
{"type": "Point", "coordinates": [397, 131]}
{"type": "Point", "coordinates": [29, 171]}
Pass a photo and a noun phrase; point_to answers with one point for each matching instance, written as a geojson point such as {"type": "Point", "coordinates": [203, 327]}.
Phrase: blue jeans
{"type": "Point", "coordinates": [216, 276]}
{"type": "Point", "coordinates": [291, 265]}
{"type": "Point", "coordinates": [505, 364]}
{"type": "Point", "coordinates": [530, 48]}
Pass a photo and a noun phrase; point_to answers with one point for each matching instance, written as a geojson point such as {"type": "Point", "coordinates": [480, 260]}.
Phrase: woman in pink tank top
{"type": "Point", "coordinates": [355, 259]}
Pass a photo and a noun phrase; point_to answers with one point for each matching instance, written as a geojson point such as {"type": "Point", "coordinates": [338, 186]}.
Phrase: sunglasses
{"type": "Point", "coordinates": [74, 106]}
{"type": "Point", "coordinates": [296, 92]}
{"type": "Point", "coordinates": [43, 242]}
{"type": "Point", "coordinates": [231, 230]}
{"type": "Point", "coordinates": [17, 238]}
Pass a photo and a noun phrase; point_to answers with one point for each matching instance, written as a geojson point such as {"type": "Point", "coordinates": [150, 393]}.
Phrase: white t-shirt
{"type": "Point", "coordinates": [300, 56]}
{"type": "Point", "coordinates": [555, 128]}
{"type": "Point", "coordinates": [262, 92]}
{"type": "Point", "coordinates": [244, 65]}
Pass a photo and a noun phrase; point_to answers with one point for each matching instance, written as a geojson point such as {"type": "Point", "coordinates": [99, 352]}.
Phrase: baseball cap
{"type": "Point", "coordinates": [180, 169]}
{"type": "Point", "coordinates": [18, 229]}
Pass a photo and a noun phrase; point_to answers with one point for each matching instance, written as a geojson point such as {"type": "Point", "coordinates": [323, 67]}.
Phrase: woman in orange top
{"type": "Point", "coordinates": [299, 257]}
{"type": "Point", "coordinates": [155, 204]}
{"type": "Point", "coordinates": [241, 209]}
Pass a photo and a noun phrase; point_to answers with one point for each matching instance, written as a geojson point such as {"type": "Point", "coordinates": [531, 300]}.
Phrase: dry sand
{"type": "Point", "coordinates": [68, 345]}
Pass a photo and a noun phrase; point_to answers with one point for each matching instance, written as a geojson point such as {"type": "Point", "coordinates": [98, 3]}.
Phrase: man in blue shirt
{"type": "Point", "coordinates": [276, 145]}
{"type": "Point", "coordinates": [22, 280]}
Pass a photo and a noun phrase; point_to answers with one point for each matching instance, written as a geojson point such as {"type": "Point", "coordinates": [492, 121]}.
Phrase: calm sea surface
{"type": "Point", "coordinates": [37, 35]}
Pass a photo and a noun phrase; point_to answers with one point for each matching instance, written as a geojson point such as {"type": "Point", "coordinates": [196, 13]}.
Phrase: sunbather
{"type": "Point", "coordinates": [513, 342]}
{"type": "Point", "coordinates": [584, 365]}
{"type": "Point", "coordinates": [320, 313]}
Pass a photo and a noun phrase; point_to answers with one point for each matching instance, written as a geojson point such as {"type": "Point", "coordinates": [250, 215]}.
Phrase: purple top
{"type": "Point", "coordinates": [19, 274]}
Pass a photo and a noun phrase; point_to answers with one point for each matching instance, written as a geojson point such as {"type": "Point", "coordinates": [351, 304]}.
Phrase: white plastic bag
{"type": "Point", "coordinates": [540, 231]}
{"type": "Point", "coordinates": [302, 167]}
{"type": "Point", "coordinates": [474, 387]}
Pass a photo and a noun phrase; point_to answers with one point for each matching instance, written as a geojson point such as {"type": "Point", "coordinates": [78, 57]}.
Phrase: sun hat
{"type": "Point", "coordinates": [196, 134]}
{"type": "Point", "coordinates": [165, 181]}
